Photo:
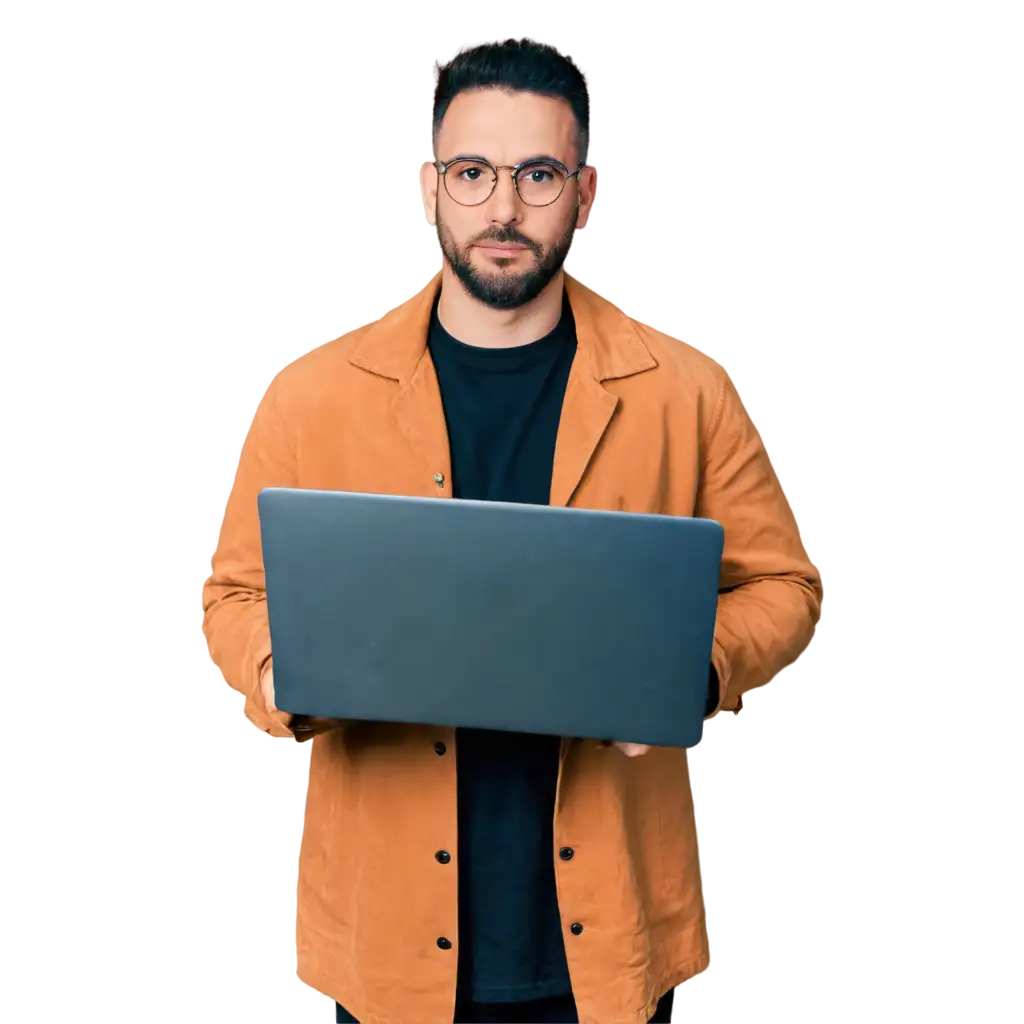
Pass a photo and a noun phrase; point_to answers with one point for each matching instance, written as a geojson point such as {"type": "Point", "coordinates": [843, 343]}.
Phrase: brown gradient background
{"type": "Point", "coordinates": [186, 197]}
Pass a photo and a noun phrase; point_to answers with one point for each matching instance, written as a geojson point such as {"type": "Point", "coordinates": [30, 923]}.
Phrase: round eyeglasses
{"type": "Point", "coordinates": [470, 180]}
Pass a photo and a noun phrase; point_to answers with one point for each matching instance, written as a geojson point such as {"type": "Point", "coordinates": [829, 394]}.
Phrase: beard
{"type": "Point", "coordinates": [505, 291]}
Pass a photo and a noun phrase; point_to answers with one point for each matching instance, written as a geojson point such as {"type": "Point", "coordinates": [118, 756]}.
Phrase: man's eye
{"type": "Point", "coordinates": [539, 175]}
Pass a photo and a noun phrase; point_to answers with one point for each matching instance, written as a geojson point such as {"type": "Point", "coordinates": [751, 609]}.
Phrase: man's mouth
{"type": "Point", "coordinates": [500, 249]}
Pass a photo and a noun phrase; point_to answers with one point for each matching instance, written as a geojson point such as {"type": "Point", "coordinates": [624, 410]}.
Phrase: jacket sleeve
{"type": "Point", "coordinates": [770, 594]}
{"type": "Point", "coordinates": [235, 619]}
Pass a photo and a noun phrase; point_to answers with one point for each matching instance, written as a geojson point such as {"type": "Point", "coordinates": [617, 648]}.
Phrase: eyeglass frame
{"type": "Point", "coordinates": [442, 168]}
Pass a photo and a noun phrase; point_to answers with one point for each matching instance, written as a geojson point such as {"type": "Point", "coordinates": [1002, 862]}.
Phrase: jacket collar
{"type": "Point", "coordinates": [606, 338]}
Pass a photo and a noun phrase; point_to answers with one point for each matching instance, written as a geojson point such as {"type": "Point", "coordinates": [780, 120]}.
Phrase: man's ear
{"type": "Point", "coordinates": [428, 189]}
{"type": "Point", "coordinates": [587, 190]}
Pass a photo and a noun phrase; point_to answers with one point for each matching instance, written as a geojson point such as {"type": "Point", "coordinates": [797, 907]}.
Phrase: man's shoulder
{"type": "Point", "coordinates": [678, 357]}
{"type": "Point", "coordinates": [387, 345]}
{"type": "Point", "coordinates": [681, 358]}
{"type": "Point", "coordinates": [319, 365]}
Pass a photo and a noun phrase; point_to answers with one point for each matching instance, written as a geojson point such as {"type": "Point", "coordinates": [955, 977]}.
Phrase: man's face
{"type": "Point", "coordinates": [504, 251]}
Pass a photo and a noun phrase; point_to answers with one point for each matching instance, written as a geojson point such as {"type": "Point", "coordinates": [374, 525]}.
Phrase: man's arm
{"type": "Point", "coordinates": [233, 626]}
{"type": "Point", "coordinates": [769, 592]}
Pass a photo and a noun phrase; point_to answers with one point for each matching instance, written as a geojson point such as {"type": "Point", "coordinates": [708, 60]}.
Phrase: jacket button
{"type": "Point", "coordinates": [443, 943]}
{"type": "Point", "coordinates": [566, 852]}
{"type": "Point", "coordinates": [439, 479]}
{"type": "Point", "coordinates": [576, 928]}
{"type": "Point", "coordinates": [443, 856]}
{"type": "Point", "coordinates": [439, 748]}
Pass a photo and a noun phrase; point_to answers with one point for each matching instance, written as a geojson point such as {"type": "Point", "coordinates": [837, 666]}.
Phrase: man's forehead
{"type": "Point", "coordinates": [507, 126]}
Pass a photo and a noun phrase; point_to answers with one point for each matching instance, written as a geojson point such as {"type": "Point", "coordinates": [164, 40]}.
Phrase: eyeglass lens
{"type": "Point", "coordinates": [471, 182]}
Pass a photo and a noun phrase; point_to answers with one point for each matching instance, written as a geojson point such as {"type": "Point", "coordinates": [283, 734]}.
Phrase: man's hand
{"type": "Point", "coordinates": [267, 686]}
{"type": "Point", "coordinates": [303, 726]}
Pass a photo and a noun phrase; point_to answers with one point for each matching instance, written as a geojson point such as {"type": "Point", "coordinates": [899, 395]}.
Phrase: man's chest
{"type": "Point", "coordinates": [502, 431]}
{"type": "Point", "coordinates": [614, 448]}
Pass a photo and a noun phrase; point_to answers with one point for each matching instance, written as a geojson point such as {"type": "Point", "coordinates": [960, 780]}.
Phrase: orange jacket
{"type": "Point", "coordinates": [649, 424]}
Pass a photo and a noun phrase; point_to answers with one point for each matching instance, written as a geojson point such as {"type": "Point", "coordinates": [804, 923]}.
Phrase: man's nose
{"type": "Point", "coordinates": [505, 204]}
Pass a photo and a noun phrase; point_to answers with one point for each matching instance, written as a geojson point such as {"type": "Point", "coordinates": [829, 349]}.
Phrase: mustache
{"type": "Point", "coordinates": [507, 236]}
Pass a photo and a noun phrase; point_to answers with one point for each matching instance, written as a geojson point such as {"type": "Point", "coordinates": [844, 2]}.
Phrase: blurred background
{"type": "Point", "coordinates": [825, 198]}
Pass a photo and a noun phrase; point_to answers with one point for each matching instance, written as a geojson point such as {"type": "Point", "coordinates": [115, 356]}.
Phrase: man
{"type": "Point", "coordinates": [482, 876]}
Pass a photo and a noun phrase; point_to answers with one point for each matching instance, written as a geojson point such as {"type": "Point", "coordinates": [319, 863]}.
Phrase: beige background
{"type": "Point", "coordinates": [186, 197]}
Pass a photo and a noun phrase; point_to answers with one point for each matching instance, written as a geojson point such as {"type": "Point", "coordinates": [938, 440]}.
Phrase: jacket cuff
{"type": "Point", "coordinates": [720, 667]}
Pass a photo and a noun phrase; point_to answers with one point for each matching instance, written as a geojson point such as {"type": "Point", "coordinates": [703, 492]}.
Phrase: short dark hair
{"type": "Point", "coordinates": [519, 65]}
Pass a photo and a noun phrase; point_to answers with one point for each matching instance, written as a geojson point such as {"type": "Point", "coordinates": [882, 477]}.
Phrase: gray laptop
{"type": "Point", "coordinates": [526, 618]}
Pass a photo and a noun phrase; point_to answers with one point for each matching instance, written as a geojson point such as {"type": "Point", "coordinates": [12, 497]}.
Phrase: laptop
{"type": "Point", "coordinates": [525, 618]}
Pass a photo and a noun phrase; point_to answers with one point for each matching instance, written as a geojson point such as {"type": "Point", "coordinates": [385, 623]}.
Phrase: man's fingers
{"type": "Point", "coordinates": [633, 749]}
{"type": "Point", "coordinates": [267, 686]}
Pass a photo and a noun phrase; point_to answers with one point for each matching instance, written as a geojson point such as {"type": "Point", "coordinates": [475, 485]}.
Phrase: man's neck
{"type": "Point", "coordinates": [473, 323]}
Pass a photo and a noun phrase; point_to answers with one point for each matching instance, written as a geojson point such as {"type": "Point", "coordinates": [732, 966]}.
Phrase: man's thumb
{"type": "Point", "coordinates": [267, 686]}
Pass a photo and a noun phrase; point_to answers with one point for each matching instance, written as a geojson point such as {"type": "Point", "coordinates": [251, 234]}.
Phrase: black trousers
{"type": "Point", "coordinates": [556, 1010]}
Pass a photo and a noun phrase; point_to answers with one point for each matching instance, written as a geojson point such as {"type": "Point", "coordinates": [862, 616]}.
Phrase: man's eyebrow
{"type": "Point", "coordinates": [466, 156]}
{"type": "Point", "coordinates": [539, 158]}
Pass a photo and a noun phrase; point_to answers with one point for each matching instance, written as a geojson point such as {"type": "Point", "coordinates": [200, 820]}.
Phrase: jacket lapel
{"type": "Point", "coordinates": [608, 347]}
{"type": "Point", "coordinates": [420, 414]}
{"type": "Point", "coordinates": [396, 347]}
{"type": "Point", "coordinates": [586, 412]}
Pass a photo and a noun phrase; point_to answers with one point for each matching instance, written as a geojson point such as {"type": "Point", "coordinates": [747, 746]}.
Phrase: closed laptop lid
{"type": "Point", "coordinates": [525, 618]}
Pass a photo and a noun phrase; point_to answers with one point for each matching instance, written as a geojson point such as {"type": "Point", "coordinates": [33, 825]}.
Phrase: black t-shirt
{"type": "Point", "coordinates": [502, 407]}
